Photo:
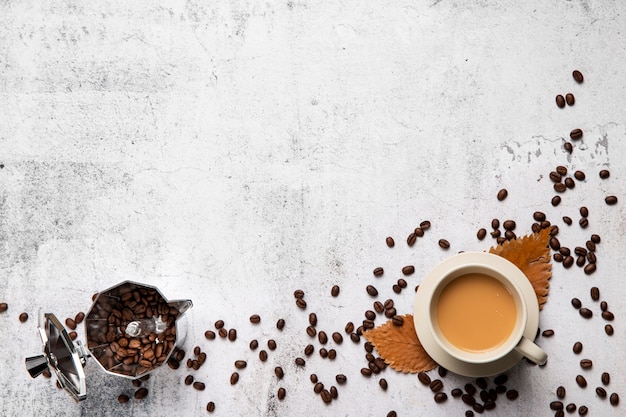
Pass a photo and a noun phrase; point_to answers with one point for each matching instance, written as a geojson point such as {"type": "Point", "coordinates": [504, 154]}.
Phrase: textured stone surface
{"type": "Point", "coordinates": [231, 152]}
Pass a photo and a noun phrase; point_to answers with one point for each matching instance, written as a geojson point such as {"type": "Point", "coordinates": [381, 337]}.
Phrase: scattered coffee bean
{"type": "Point", "coordinates": [254, 344]}
{"type": "Point", "coordinates": [578, 76]}
{"type": "Point", "coordinates": [392, 414]}
{"type": "Point", "coordinates": [586, 363]}
{"type": "Point", "coordinates": [470, 389]}
{"type": "Point", "coordinates": [571, 407]}
{"type": "Point", "coordinates": [502, 194]}
{"type": "Point", "coordinates": [444, 244]}
{"type": "Point", "coordinates": [604, 174]}
{"type": "Point", "coordinates": [568, 261]}
{"type": "Point", "coordinates": [383, 384]}
{"type": "Point", "coordinates": [585, 312]}
{"type": "Point", "coordinates": [298, 294]}
{"type": "Point", "coordinates": [378, 271]}
{"type": "Point", "coordinates": [495, 223]}
{"type": "Point", "coordinates": [141, 393]}
{"type": "Point", "coordinates": [23, 317]}
{"type": "Point", "coordinates": [3, 307]}
{"type": "Point", "coordinates": [396, 288]}
{"type": "Point", "coordinates": [607, 315]}
{"type": "Point", "coordinates": [189, 380]}
{"type": "Point", "coordinates": [556, 405]}
{"type": "Point", "coordinates": [561, 169]}
{"type": "Point", "coordinates": [509, 225]}
{"type": "Point", "coordinates": [301, 303]}
{"type": "Point", "coordinates": [560, 101]}
{"type": "Point", "coordinates": [512, 394]}
{"type": "Point", "coordinates": [554, 243]}
{"type": "Point", "coordinates": [560, 187]}
{"type": "Point", "coordinates": [468, 399]}
{"type": "Point", "coordinates": [410, 240]}
{"type": "Point", "coordinates": [419, 232]}
{"type": "Point", "coordinates": [583, 410]}
{"type": "Point", "coordinates": [425, 224]}
{"type": "Point", "coordinates": [567, 220]}
{"type": "Point", "coordinates": [424, 378]}
{"type": "Point", "coordinates": [255, 319]}
{"type": "Point", "coordinates": [367, 372]}
{"type": "Point", "coordinates": [300, 362]}
{"type": "Point", "coordinates": [337, 338]}
{"type": "Point", "coordinates": [581, 381]}
{"type": "Point", "coordinates": [280, 324]}
{"type": "Point", "coordinates": [390, 242]}
{"type": "Point", "coordinates": [397, 320]}
{"type": "Point", "coordinates": [605, 378]}
{"type": "Point", "coordinates": [281, 393]}
{"type": "Point", "coordinates": [334, 291]}
{"type": "Point", "coordinates": [560, 392]}
{"type": "Point", "coordinates": [590, 269]}
{"type": "Point", "coordinates": [371, 290]}
{"type": "Point", "coordinates": [309, 349]}
{"type": "Point", "coordinates": [219, 324]}
{"type": "Point", "coordinates": [209, 334]}
{"type": "Point", "coordinates": [576, 134]}
{"type": "Point", "coordinates": [611, 200]}
{"type": "Point", "coordinates": [614, 399]}
{"type": "Point", "coordinates": [408, 270]}
{"type": "Point", "coordinates": [569, 148]}
{"type": "Point", "coordinates": [580, 261]}
{"type": "Point", "coordinates": [232, 335]}
{"type": "Point", "coordinates": [601, 392]}
{"type": "Point", "coordinates": [263, 355]}
{"type": "Point", "coordinates": [570, 99]}
{"type": "Point", "coordinates": [440, 397]}
{"type": "Point", "coordinates": [548, 333]}
{"type": "Point", "coordinates": [555, 177]}
{"type": "Point", "coordinates": [576, 303]}
{"type": "Point", "coordinates": [584, 211]}
{"type": "Point", "coordinates": [595, 293]}
{"type": "Point", "coordinates": [556, 200]}
{"type": "Point", "coordinates": [210, 406]}
{"type": "Point", "coordinates": [123, 399]}
{"type": "Point", "coordinates": [240, 364]}
{"type": "Point", "coordinates": [481, 234]}
{"type": "Point", "coordinates": [349, 328]}
{"type": "Point", "coordinates": [341, 379]}
{"type": "Point", "coordinates": [577, 348]}
{"type": "Point", "coordinates": [569, 183]}
{"type": "Point", "coordinates": [234, 378]}
{"type": "Point", "coordinates": [436, 385]}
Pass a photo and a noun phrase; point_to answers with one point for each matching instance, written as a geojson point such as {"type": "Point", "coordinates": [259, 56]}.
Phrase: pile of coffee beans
{"type": "Point", "coordinates": [113, 347]}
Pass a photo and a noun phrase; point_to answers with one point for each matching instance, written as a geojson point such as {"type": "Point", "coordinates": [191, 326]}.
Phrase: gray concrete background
{"type": "Point", "coordinates": [232, 152]}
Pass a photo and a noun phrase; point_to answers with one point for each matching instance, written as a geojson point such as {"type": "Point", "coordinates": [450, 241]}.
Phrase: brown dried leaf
{"type": "Point", "coordinates": [531, 254]}
{"type": "Point", "coordinates": [400, 347]}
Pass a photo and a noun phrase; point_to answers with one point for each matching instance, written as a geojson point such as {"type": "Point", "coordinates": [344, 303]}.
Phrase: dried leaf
{"type": "Point", "coordinates": [531, 254]}
{"type": "Point", "coordinates": [400, 347]}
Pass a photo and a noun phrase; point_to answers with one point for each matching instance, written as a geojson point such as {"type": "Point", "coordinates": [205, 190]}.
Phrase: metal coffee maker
{"type": "Point", "coordinates": [131, 331]}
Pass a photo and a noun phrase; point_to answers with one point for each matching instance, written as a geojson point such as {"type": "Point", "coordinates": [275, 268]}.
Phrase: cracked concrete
{"type": "Point", "coordinates": [231, 153]}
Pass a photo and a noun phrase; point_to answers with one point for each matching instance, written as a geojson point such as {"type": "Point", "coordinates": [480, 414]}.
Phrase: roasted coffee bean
{"type": "Point", "coordinates": [379, 307]}
{"type": "Point", "coordinates": [141, 393]}
{"type": "Point", "coordinates": [424, 378]}
{"type": "Point", "coordinates": [436, 385]}
{"type": "Point", "coordinates": [509, 225]}
{"type": "Point", "coordinates": [240, 364]}
{"type": "Point", "coordinates": [555, 177]}
{"type": "Point", "coordinates": [591, 247]}
{"type": "Point", "coordinates": [576, 134]}
{"type": "Point", "coordinates": [271, 344]}
{"type": "Point", "coordinates": [456, 392]}
{"type": "Point", "coordinates": [254, 344]}
{"type": "Point", "coordinates": [263, 355]}
{"type": "Point", "coordinates": [234, 378]}
{"type": "Point", "coordinates": [223, 332]}
{"type": "Point", "coordinates": [425, 224]}
{"type": "Point", "coordinates": [280, 324]}
{"type": "Point", "coordinates": [23, 317]}
{"type": "Point", "coordinates": [501, 379]}
{"type": "Point", "coordinates": [173, 363]}
{"type": "Point", "coordinates": [481, 382]}
{"type": "Point", "coordinates": [584, 211]}
{"type": "Point", "coordinates": [281, 393]}
{"type": "Point", "coordinates": [322, 337]}
{"type": "Point", "coordinates": [604, 306]}
{"type": "Point", "coordinates": [313, 378]}
{"type": "Point", "coordinates": [397, 321]}
{"type": "Point", "coordinates": [561, 169]}
{"type": "Point", "coordinates": [123, 399]}
{"type": "Point", "coordinates": [189, 380]}
{"type": "Point", "coordinates": [580, 261]}
{"type": "Point", "coordinates": [568, 261]}
{"type": "Point", "coordinates": [255, 319]}
{"type": "Point", "coordinates": [468, 399]}
{"type": "Point", "coordinates": [378, 271]}
{"type": "Point", "coordinates": [309, 349]}
{"type": "Point", "coordinates": [586, 363]}
{"type": "Point", "coordinates": [371, 290]}
{"type": "Point", "coordinates": [408, 270]}
{"type": "Point", "coordinates": [311, 331]}
{"type": "Point", "coordinates": [560, 392]}
{"type": "Point", "coordinates": [611, 200]}
{"type": "Point", "coordinates": [368, 324]}
{"type": "Point", "coordinates": [440, 397]}
{"type": "Point", "coordinates": [390, 242]}
{"type": "Point", "coordinates": [604, 174]}
{"type": "Point", "coordinates": [419, 232]}
{"type": "Point", "coordinates": [556, 200]}
{"type": "Point", "coordinates": [509, 235]}
{"type": "Point", "coordinates": [605, 378]}
{"type": "Point", "coordinates": [585, 312]}
{"type": "Point", "coordinates": [337, 338]}
{"type": "Point", "coordinates": [300, 303]}
{"type": "Point", "coordinates": [481, 234]}
{"type": "Point", "coordinates": [577, 348]}
{"type": "Point", "coordinates": [608, 316]}
{"type": "Point", "coordinates": [595, 293]}
{"type": "Point", "coordinates": [442, 371]}
{"type": "Point", "coordinates": [137, 383]}
{"type": "Point", "coordinates": [300, 362]}
{"type": "Point", "coordinates": [209, 334]}
{"type": "Point", "coordinates": [70, 323]}
{"type": "Point", "coordinates": [219, 324]}
{"type": "Point", "coordinates": [554, 243]}
{"type": "Point", "coordinates": [559, 187]}
{"type": "Point", "coordinates": [391, 414]}
{"type": "Point", "coordinates": [349, 327]}
{"type": "Point", "coordinates": [196, 350]}
{"type": "Point", "coordinates": [548, 333]}
{"type": "Point", "coordinates": [512, 394]}
{"type": "Point", "coordinates": [495, 223]}
{"type": "Point", "coordinates": [3, 307]}
{"type": "Point", "coordinates": [569, 183]}
{"type": "Point", "coordinates": [583, 410]}
{"type": "Point", "coordinates": [298, 294]}
{"type": "Point", "coordinates": [581, 381]}
{"type": "Point", "coordinates": [571, 407]}
{"type": "Point", "coordinates": [232, 335]}
{"type": "Point", "coordinates": [590, 269]}
{"type": "Point", "coordinates": [502, 194]}
{"type": "Point", "coordinates": [313, 319]}
{"type": "Point", "coordinates": [578, 76]}
{"type": "Point", "coordinates": [323, 353]}
{"type": "Point", "coordinates": [601, 392]}
{"type": "Point", "coordinates": [470, 389]}
{"type": "Point", "coordinates": [560, 101]}
{"type": "Point", "coordinates": [556, 405]}
{"type": "Point", "coordinates": [370, 315]}
{"type": "Point", "coordinates": [569, 148]}
{"type": "Point", "coordinates": [73, 335]}
{"type": "Point", "coordinates": [367, 372]}
{"type": "Point", "coordinates": [614, 399]}
{"type": "Point", "coordinates": [579, 175]}
{"type": "Point", "coordinates": [410, 240]}
{"type": "Point", "coordinates": [334, 291]}
{"type": "Point", "coordinates": [383, 384]}
{"type": "Point", "coordinates": [318, 387]}
{"type": "Point", "coordinates": [576, 303]}
{"type": "Point", "coordinates": [570, 99]}
{"type": "Point", "coordinates": [444, 244]}
{"type": "Point", "coordinates": [341, 379]}
{"type": "Point", "coordinates": [210, 406]}
{"type": "Point", "coordinates": [557, 257]}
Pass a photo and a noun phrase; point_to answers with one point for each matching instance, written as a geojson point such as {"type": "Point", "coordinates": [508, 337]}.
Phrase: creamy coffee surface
{"type": "Point", "coordinates": [476, 312]}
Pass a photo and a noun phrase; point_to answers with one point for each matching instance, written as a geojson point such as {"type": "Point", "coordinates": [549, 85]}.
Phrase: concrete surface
{"type": "Point", "coordinates": [232, 152]}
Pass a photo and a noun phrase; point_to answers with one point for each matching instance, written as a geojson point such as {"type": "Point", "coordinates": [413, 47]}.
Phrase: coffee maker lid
{"type": "Point", "coordinates": [61, 356]}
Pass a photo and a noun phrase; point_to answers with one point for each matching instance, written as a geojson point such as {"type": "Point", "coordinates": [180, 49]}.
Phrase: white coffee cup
{"type": "Point", "coordinates": [519, 342]}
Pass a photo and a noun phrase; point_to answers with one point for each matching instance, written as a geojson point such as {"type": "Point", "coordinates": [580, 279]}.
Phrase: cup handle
{"type": "Point", "coordinates": [531, 351]}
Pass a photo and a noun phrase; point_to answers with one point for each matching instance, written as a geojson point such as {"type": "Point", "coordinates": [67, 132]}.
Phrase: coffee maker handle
{"type": "Point", "coordinates": [531, 351]}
